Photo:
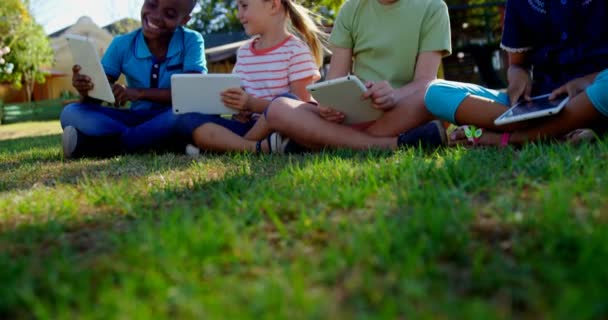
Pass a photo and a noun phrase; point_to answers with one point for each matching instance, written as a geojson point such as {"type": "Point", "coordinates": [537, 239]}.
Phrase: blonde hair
{"type": "Point", "coordinates": [303, 24]}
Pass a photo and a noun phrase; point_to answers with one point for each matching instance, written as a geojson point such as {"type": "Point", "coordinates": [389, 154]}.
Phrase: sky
{"type": "Point", "coordinates": [54, 15]}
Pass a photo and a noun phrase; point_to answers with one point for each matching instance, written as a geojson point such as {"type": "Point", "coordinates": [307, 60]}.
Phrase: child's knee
{"type": "Point", "coordinates": [70, 114]}
{"type": "Point", "coordinates": [276, 110]}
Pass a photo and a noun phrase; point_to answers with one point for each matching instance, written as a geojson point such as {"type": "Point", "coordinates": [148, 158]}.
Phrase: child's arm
{"type": "Point", "coordinates": [238, 99]}
{"type": "Point", "coordinates": [518, 77]}
{"type": "Point", "coordinates": [574, 87]}
{"type": "Point", "coordinates": [122, 94]}
{"type": "Point", "coordinates": [385, 97]}
{"type": "Point", "coordinates": [298, 88]}
{"type": "Point", "coordinates": [341, 62]}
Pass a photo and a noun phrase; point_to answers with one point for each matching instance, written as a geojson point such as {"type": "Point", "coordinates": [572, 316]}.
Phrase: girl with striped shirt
{"type": "Point", "coordinates": [274, 63]}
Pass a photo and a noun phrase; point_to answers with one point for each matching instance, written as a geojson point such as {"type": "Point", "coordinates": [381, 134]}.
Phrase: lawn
{"type": "Point", "coordinates": [469, 234]}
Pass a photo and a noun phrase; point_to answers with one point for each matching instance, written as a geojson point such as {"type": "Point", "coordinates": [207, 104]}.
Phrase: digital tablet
{"type": "Point", "coordinates": [201, 92]}
{"type": "Point", "coordinates": [85, 55]}
{"type": "Point", "coordinates": [539, 106]}
{"type": "Point", "coordinates": [344, 95]}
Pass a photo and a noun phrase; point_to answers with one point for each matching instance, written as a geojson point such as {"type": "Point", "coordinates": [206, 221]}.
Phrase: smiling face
{"type": "Point", "coordinates": [160, 18]}
{"type": "Point", "coordinates": [256, 15]}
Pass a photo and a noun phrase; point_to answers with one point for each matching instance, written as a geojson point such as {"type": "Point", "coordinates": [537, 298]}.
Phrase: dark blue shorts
{"type": "Point", "coordinates": [188, 122]}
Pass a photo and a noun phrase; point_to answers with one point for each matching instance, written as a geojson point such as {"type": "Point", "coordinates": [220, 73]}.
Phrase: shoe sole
{"type": "Point", "coordinates": [442, 132]}
{"type": "Point", "coordinates": [69, 141]}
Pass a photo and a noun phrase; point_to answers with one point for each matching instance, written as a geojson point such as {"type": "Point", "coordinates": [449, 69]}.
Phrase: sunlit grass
{"type": "Point", "coordinates": [449, 234]}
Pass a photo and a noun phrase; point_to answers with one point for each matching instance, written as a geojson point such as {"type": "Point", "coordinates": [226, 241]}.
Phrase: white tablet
{"type": "Point", "coordinates": [85, 55]}
{"type": "Point", "coordinates": [201, 92]}
{"type": "Point", "coordinates": [539, 106]}
{"type": "Point", "coordinates": [344, 95]}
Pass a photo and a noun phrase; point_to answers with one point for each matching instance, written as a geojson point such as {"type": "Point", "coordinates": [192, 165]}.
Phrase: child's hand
{"type": "Point", "coordinates": [331, 114]}
{"type": "Point", "coordinates": [572, 88]}
{"type": "Point", "coordinates": [81, 82]}
{"type": "Point", "coordinates": [243, 116]}
{"type": "Point", "coordinates": [382, 95]}
{"type": "Point", "coordinates": [520, 84]}
{"type": "Point", "coordinates": [122, 94]}
{"type": "Point", "coordinates": [235, 98]}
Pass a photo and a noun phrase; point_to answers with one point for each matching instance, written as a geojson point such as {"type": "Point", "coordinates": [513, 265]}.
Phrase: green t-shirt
{"type": "Point", "coordinates": [386, 39]}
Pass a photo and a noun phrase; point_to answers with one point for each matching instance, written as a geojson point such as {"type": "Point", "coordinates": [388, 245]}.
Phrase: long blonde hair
{"type": "Point", "coordinates": [303, 24]}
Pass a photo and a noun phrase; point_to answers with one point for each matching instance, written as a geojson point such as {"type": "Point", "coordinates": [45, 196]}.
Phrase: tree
{"type": "Point", "coordinates": [221, 15]}
{"type": "Point", "coordinates": [215, 16]}
{"type": "Point", "coordinates": [29, 46]}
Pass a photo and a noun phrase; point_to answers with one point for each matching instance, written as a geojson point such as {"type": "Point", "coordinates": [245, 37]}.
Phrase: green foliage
{"type": "Point", "coordinates": [215, 16]}
{"type": "Point", "coordinates": [123, 26]}
{"type": "Point", "coordinates": [221, 16]}
{"type": "Point", "coordinates": [30, 48]}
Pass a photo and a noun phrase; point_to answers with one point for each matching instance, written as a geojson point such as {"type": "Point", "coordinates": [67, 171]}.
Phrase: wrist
{"type": "Point", "coordinates": [247, 106]}
{"type": "Point", "coordinates": [137, 94]}
{"type": "Point", "coordinates": [519, 67]}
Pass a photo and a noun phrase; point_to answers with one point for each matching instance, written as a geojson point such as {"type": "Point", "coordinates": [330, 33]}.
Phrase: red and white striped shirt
{"type": "Point", "coordinates": [268, 73]}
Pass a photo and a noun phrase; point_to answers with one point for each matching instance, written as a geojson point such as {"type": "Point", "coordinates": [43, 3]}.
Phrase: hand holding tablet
{"type": "Point", "coordinates": [344, 95]}
{"type": "Point", "coordinates": [85, 55]}
{"type": "Point", "coordinates": [539, 106]}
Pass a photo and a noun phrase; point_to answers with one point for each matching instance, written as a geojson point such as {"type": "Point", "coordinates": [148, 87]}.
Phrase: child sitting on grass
{"type": "Point", "coordinates": [147, 57]}
{"type": "Point", "coordinates": [275, 63]}
{"type": "Point", "coordinates": [548, 54]}
{"type": "Point", "coordinates": [395, 46]}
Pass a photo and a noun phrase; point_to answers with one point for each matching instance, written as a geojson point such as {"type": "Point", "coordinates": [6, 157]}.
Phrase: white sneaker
{"type": "Point", "coordinates": [69, 140]}
{"type": "Point", "coordinates": [192, 151]}
{"type": "Point", "coordinates": [277, 143]}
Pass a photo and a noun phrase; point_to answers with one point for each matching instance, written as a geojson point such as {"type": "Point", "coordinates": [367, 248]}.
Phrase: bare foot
{"type": "Point", "coordinates": [579, 136]}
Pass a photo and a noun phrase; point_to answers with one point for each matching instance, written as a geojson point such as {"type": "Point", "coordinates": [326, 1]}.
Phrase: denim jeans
{"type": "Point", "coordinates": [137, 130]}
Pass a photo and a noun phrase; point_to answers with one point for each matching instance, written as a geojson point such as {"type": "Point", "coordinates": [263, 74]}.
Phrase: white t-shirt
{"type": "Point", "coordinates": [268, 73]}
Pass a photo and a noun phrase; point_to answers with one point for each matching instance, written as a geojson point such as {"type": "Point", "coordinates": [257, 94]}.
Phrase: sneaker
{"type": "Point", "coordinates": [429, 135]}
{"type": "Point", "coordinates": [277, 143]}
{"type": "Point", "coordinates": [77, 145]}
{"type": "Point", "coordinates": [69, 139]}
{"type": "Point", "coordinates": [192, 151]}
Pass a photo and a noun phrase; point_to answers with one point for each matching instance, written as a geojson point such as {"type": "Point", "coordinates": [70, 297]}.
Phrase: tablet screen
{"type": "Point", "coordinates": [535, 105]}
{"type": "Point", "coordinates": [539, 106]}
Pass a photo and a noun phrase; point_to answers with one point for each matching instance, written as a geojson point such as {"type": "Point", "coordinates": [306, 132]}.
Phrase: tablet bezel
{"type": "Point", "coordinates": [200, 93]}
{"type": "Point", "coordinates": [344, 95]}
{"type": "Point", "coordinates": [85, 55]}
{"type": "Point", "coordinates": [501, 120]}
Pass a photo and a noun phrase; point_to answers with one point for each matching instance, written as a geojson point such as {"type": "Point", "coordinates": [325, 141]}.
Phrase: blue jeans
{"type": "Point", "coordinates": [137, 129]}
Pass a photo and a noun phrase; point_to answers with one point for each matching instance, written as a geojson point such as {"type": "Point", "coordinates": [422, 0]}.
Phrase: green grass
{"type": "Point", "coordinates": [451, 234]}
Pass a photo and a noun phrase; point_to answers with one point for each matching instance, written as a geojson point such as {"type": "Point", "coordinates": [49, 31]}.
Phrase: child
{"type": "Point", "coordinates": [548, 53]}
{"type": "Point", "coordinates": [274, 63]}
{"type": "Point", "coordinates": [147, 57]}
{"type": "Point", "coordinates": [394, 45]}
